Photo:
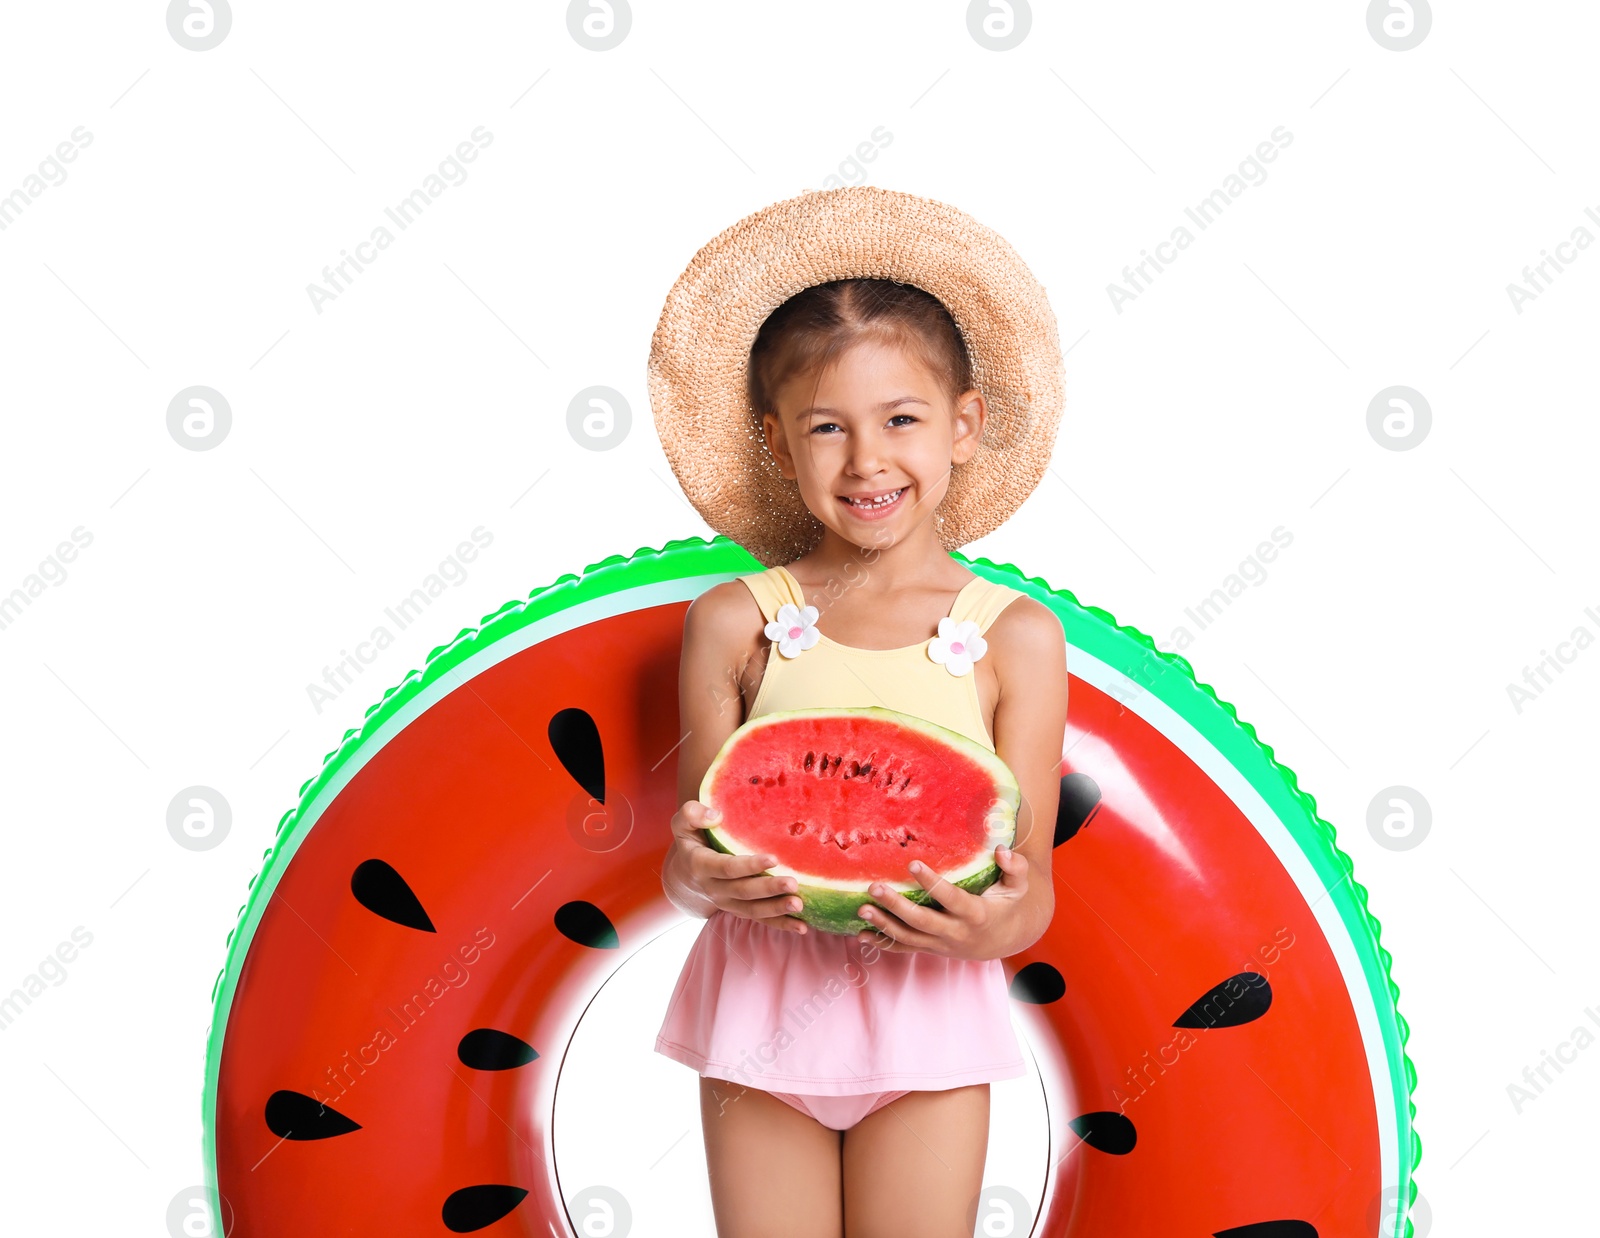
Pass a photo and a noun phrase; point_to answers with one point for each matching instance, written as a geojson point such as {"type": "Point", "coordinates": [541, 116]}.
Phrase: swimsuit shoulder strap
{"type": "Point", "coordinates": [771, 589]}
{"type": "Point", "coordinates": [983, 602]}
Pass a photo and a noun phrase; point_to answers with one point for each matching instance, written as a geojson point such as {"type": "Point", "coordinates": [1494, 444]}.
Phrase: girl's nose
{"type": "Point", "coordinates": [866, 457]}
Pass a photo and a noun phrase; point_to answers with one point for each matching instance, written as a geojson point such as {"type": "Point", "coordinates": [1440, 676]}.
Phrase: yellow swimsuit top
{"type": "Point", "coordinates": [933, 679]}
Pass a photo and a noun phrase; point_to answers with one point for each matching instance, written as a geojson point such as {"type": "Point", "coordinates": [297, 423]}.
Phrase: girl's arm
{"type": "Point", "coordinates": [1030, 722]}
{"type": "Point", "coordinates": [720, 632]}
{"type": "Point", "coordinates": [710, 708]}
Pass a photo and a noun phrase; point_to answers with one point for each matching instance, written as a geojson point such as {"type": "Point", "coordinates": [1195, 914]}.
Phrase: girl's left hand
{"type": "Point", "coordinates": [971, 926]}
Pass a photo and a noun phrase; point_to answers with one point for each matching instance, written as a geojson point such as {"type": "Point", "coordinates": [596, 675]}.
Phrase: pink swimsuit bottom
{"type": "Point", "coordinates": [840, 1113]}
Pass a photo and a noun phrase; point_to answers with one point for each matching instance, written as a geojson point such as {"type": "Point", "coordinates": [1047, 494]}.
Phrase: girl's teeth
{"type": "Point", "coordinates": [888, 498]}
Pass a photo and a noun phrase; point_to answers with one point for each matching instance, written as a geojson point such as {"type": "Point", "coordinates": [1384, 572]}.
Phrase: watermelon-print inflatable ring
{"type": "Point", "coordinates": [1210, 1012]}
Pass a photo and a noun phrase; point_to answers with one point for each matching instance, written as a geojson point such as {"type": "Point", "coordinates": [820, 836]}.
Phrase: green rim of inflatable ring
{"type": "Point", "coordinates": [685, 567]}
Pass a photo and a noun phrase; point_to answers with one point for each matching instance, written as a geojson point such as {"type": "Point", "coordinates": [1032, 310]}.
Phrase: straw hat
{"type": "Point", "coordinates": [701, 347]}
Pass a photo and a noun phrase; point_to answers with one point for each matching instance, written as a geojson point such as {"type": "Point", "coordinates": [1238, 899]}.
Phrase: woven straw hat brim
{"type": "Point", "coordinates": [712, 437]}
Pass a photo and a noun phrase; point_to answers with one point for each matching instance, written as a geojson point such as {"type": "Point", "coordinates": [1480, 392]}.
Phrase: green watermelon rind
{"type": "Point", "coordinates": [831, 906]}
{"type": "Point", "coordinates": [680, 570]}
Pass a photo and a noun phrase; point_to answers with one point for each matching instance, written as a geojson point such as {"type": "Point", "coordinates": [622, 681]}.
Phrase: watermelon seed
{"type": "Point", "coordinates": [1270, 1229]}
{"type": "Point", "coordinates": [384, 892]}
{"type": "Point", "coordinates": [1106, 1131]}
{"type": "Point", "coordinates": [488, 1048]}
{"type": "Point", "coordinates": [1240, 999]}
{"type": "Point", "coordinates": [475, 1207]}
{"type": "Point", "coordinates": [811, 759]}
{"type": "Point", "coordinates": [581, 921]}
{"type": "Point", "coordinates": [1078, 805]}
{"type": "Point", "coordinates": [294, 1115]}
{"type": "Point", "coordinates": [576, 741]}
{"type": "Point", "coordinates": [1038, 984]}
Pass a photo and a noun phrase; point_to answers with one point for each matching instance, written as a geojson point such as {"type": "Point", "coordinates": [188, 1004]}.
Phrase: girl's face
{"type": "Point", "coordinates": [876, 424]}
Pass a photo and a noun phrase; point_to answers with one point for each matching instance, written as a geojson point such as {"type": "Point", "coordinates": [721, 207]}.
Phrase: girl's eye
{"type": "Point", "coordinates": [826, 425]}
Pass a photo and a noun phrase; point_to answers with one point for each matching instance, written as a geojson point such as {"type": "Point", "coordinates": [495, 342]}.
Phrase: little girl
{"type": "Point", "coordinates": [845, 1080]}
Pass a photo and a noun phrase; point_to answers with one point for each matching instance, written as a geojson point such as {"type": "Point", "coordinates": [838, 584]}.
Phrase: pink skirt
{"type": "Point", "coordinates": [826, 1015]}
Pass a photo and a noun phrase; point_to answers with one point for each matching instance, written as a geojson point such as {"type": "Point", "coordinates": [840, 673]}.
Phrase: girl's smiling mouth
{"type": "Point", "coordinates": [874, 505]}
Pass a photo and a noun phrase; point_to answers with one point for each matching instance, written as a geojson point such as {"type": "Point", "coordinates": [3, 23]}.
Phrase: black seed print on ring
{"type": "Point", "coordinates": [581, 921]}
{"type": "Point", "coordinates": [294, 1115]}
{"type": "Point", "coordinates": [1038, 984]}
{"type": "Point", "coordinates": [488, 1048]}
{"type": "Point", "coordinates": [1079, 804]}
{"type": "Point", "coordinates": [476, 1207]}
{"type": "Point", "coordinates": [1106, 1131]}
{"type": "Point", "coordinates": [384, 892]}
{"type": "Point", "coordinates": [576, 741]}
{"type": "Point", "coordinates": [1238, 1000]}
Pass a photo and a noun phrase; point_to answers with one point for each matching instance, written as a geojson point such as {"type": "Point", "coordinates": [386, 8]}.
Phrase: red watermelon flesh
{"type": "Point", "coordinates": [847, 797]}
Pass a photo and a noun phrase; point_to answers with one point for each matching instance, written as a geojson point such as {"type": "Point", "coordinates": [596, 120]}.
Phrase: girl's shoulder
{"type": "Point", "coordinates": [1024, 632]}
{"type": "Point", "coordinates": [986, 603]}
{"type": "Point", "coordinates": [727, 613]}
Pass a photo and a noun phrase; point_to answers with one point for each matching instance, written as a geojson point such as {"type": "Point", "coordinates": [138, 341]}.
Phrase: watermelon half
{"type": "Point", "coordinates": [1210, 1011]}
{"type": "Point", "coordinates": [847, 797]}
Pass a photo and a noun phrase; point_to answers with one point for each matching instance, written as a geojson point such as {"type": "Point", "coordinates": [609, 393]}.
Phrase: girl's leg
{"type": "Point", "coordinates": [916, 1166]}
{"type": "Point", "coordinates": [774, 1170]}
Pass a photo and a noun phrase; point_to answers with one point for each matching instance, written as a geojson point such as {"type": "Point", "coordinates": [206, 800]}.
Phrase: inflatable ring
{"type": "Point", "coordinates": [1210, 1011]}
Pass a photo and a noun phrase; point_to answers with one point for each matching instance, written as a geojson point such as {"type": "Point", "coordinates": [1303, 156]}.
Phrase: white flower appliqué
{"type": "Point", "coordinates": [794, 629]}
{"type": "Point", "coordinates": [957, 646]}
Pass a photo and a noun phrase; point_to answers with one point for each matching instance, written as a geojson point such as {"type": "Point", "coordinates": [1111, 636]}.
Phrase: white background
{"type": "Point", "coordinates": [430, 397]}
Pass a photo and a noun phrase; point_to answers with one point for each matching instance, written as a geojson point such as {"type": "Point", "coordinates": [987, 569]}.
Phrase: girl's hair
{"type": "Point", "coordinates": [809, 330]}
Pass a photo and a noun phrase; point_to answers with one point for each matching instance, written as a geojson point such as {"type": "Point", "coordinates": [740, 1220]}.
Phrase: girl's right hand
{"type": "Point", "coordinates": [736, 884]}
